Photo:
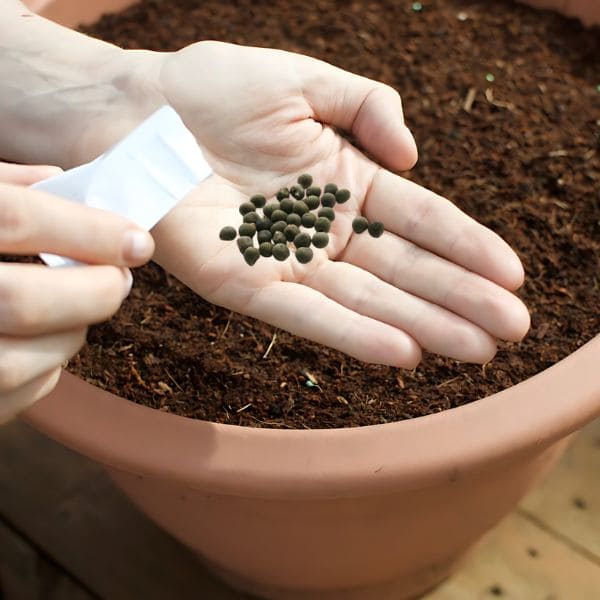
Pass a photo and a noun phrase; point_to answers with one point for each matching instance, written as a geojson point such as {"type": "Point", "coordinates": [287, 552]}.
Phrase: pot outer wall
{"type": "Point", "coordinates": [394, 546]}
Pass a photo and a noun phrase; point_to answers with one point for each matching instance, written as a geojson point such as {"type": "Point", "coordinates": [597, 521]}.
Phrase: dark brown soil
{"type": "Point", "coordinates": [523, 159]}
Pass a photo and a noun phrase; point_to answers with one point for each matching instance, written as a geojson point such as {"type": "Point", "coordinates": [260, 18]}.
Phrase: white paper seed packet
{"type": "Point", "coordinates": [142, 177]}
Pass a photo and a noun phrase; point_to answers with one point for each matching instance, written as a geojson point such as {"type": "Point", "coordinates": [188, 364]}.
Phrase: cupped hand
{"type": "Point", "coordinates": [44, 312]}
{"type": "Point", "coordinates": [436, 280]}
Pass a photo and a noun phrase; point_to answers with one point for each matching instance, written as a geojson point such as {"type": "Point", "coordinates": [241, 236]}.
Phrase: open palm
{"type": "Point", "coordinates": [436, 279]}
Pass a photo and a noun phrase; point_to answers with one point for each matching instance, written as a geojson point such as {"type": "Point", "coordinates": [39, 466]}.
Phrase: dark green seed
{"type": "Point", "coordinates": [327, 212]}
{"type": "Point", "coordinates": [264, 236]}
{"type": "Point", "coordinates": [320, 239]}
{"type": "Point", "coordinates": [305, 180]}
{"type": "Point", "coordinates": [287, 205]}
{"type": "Point", "coordinates": [243, 243]}
{"type": "Point", "coordinates": [291, 231]}
{"type": "Point", "coordinates": [313, 190]}
{"type": "Point", "coordinates": [302, 240]}
{"type": "Point", "coordinates": [297, 192]}
{"type": "Point", "coordinates": [279, 238]}
{"type": "Point", "coordinates": [246, 207]}
{"type": "Point", "coordinates": [251, 255]}
{"type": "Point", "coordinates": [300, 207]}
{"type": "Point", "coordinates": [360, 224]}
{"type": "Point", "coordinates": [376, 229]}
{"type": "Point", "coordinates": [278, 215]}
{"type": "Point", "coordinates": [263, 223]}
{"type": "Point", "coordinates": [308, 219]}
{"type": "Point", "coordinates": [294, 219]}
{"type": "Point", "coordinates": [278, 226]}
{"type": "Point", "coordinates": [251, 217]}
{"type": "Point", "coordinates": [247, 229]}
{"type": "Point", "coordinates": [330, 188]}
{"type": "Point", "coordinates": [258, 200]}
{"type": "Point", "coordinates": [328, 199]}
{"type": "Point", "coordinates": [312, 202]}
{"type": "Point", "coordinates": [228, 233]}
{"type": "Point", "coordinates": [304, 255]}
{"type": "Point", "coordinates": [280, 251]}
{"type": "Point", "coordinates": [269, 208]}
{"type": "Point", "coordinates": [266, 249]}
{"type": "Point", "coordinates": [342, 195]}
{"type": "Point", "coordinates": [283, 193]}
{"type": "Point", "coordinates": [323, 224]}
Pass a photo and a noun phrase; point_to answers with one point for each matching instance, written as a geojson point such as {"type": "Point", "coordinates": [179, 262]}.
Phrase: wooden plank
{"type": "Point", "coordinates": [26, 574]}
{"type": "Point", "coordinates": [90, 528]}
{"type": "Point", "coordinates": [521, 561]}
{"type": "Point", "coordinates": [568, 501]}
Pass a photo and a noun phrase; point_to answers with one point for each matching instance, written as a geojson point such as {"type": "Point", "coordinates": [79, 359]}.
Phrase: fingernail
{"type": "Point", "coordinates": [128, 282]}
{"type": "Point", "coordinates": [137, 246]}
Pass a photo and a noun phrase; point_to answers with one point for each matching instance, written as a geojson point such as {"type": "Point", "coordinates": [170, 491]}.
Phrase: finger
{"type": "Point", "coordinates": [24, 359]}
{"type": "Point", "coordinates": [13, 403]}
{"type": "Point", "coordinates": [434, 328]}
{"type": "Point", "coordinates": [434, 223]}
{"type": "Point", "coordinates": [308, 313]}
{"type": "Point", "coordinates": [369, 110]}
{"type": "Point", "coordinates": [26, 174]}
{"type": "Point", "coordinates": [421, 273]}
{"type": "Point", "coordinates": [32, 221]}
{"type": "Point", "coordinates": [35, 299]}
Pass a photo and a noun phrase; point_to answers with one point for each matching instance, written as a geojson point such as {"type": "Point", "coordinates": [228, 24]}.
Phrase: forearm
{"type": "Point", "coordinates": [66, 97]}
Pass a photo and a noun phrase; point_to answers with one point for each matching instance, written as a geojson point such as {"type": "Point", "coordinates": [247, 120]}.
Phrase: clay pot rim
{"type": "Point", "coordinates": [265, 462]}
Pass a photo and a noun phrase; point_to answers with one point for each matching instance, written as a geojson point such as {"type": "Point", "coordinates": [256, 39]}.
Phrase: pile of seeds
{"type": "Point", "coordinates": [285, 223]}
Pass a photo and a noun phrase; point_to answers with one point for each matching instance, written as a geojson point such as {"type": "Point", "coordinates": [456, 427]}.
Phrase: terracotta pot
{"type": "Point", "coordinates": [588, 11]}
{"type": "Point", "coordinates": [366, 513]}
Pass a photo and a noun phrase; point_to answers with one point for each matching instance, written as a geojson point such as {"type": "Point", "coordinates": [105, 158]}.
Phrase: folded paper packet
{"type": "Point", "coordinates": [142, 177]}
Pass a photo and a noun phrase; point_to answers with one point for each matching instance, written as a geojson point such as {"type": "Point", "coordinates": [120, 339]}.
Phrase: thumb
{"type": "Point", "coordinates": [369, 110]}
{"type": "Point", "coordinates": [26, 174]}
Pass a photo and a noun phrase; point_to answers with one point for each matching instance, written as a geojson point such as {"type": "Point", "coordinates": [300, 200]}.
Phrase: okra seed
{"type": "Point", "coordinates": [300, 207]}
{"type": "Point", "coordinates": [308, 219]}
{"type": "Point", "coordinates": [278, 226]}
{"type": "Point", "coordinates": [320, 239]}
{"type": "Point", "coordinates": [305, 180]}
{"type": "Point", "coordinates": [328, 200]}
{"type": "Point", "coordinates": [360, 224]}
{"type": "Point", "coordinates": [282, 193]}
{"type": "Point", "coordinates": [258, 200]}
{"type": "Point", "coordinates": [291, 231]}
{"type": "Point", "coordinates": [376, 229]}
{"type": "Point", "coordinates": [251, 217]}
{"type": "Point", "coordinates": [246, 207]}
{"type": "Point", "coordinates": [342, 195]}
{"type": "Point", "coordinates": [312, 202]}
{"type": "Point", "coordinates": [243, 243]}
{"type": "Point", "coordinates": [287, 205]}
{"type": "Point", "coordinates": [280, 251]}
{"type": "Point", "coordinates": [302, 240]}
{"type": "Point", "coordinates": [228, 233]}
{"type": "Point", "coordinates": [263, 223]}
{"type": "Point", "coordinates": [327, 212]}
{"type": "Point", "coordinates": [278, 215]}
{"type": "Point", "coordinates": [264, 235]}
{"type": "Point", "coordinates": [304, 255]}
{"type": "Point", "coordinates": [323, 224]}
{"type": "Point", "coordinates": [297, 192]}
{"type": "Point", "coordinates": [251, 255]}
{"type": "Point", "coordinates": [294, 219]}
{"type": "Point", "coordinates": [330, 188]}
{"type": "Point", "coordinates": [313, 190]}
{"type": "Point", "coordinates": [269, 208]}
{"type": "Point", "coordinates": [279, 238]}
{"type": "Point", "coordinates": [266, 249]}
{"type": "Point", "coordinates": [247, 229]}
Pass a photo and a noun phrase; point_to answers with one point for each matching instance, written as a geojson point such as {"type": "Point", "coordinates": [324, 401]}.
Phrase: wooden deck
{"type": "Point", "coordinates": [67, 533]}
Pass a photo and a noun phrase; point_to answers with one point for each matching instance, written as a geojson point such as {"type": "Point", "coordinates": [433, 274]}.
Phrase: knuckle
{"type": "Point", "coordinates": [15, 227]}
{"type": "Point", "coordinates": [15, 309]}
{"type": "Point", "coordinates": [10, 371]}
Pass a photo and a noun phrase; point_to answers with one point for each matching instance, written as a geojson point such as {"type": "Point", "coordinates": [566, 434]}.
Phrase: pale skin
{"type": "Point", "coordinates": [436, 280]}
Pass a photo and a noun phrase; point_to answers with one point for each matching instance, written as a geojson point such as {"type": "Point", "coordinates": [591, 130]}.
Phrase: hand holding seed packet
{"type": "Point", "coordinates": [423, 276]}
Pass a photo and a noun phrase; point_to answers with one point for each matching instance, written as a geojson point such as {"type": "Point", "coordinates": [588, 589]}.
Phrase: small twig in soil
{"type": "Point", "coordinates": [227, 324]}
{"type": "Point", "coordinates": [489, 96]}
{"type": "Point", "coordinates": [239, 410]}
{"type": "Point", "coordinates": [173, 380]}
{"type": "Point", "coordinates": [137, 376]}
{"type": "Point", "coordinates": [448, 381]}
{"type": "Point", "coordinates": [273, 340]}
{"type": "Point", "coordinates": [469, 99]}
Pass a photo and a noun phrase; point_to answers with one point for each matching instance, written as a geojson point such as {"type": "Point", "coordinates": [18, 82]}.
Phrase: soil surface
{"type": "Point", "coordinates": [505, 106]}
